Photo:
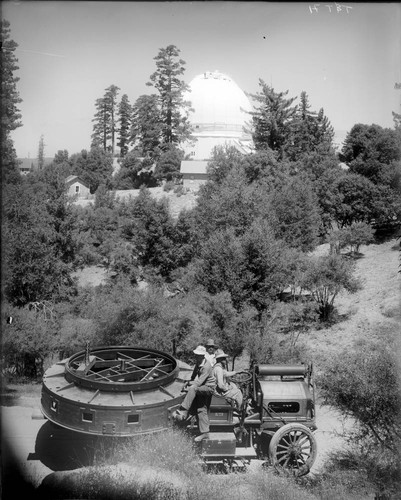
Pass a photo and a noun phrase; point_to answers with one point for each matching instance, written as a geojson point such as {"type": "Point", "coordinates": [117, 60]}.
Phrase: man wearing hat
{"type": "Point", "coordinates": [225, 387]}
{"type": "Point", "coordinates": [200, 392]}
{"type": "Point", "coordinates": [210, 351]}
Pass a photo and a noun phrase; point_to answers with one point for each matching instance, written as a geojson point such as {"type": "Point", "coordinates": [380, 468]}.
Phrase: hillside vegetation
{"type": "Point", "coordinates": [368, 312]}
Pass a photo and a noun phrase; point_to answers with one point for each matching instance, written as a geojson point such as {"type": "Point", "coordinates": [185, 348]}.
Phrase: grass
{"type": "Point", "coordinates": [172, 452]}
{"type": "Point", "coordinates": [166, 466]}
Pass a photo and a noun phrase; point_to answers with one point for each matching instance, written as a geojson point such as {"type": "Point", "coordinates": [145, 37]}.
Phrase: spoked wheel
{"type": "Point", "coordinates": [293, 448]}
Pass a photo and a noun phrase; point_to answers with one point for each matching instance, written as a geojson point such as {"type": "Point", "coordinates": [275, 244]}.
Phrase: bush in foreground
{"type": "Point", "coordinates": [364, 384]}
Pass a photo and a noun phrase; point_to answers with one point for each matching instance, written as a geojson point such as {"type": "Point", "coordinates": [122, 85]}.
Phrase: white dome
{"type": "Point", "coordinates": [220, 116]}
{"type": "Point", "coordinates": [218, 103]}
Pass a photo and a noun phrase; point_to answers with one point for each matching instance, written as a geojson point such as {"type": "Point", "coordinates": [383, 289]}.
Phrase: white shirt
{"type": "Point", "coordinates": [211, 358]}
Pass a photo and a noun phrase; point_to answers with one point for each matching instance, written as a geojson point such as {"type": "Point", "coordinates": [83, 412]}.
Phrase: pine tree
{"type": "Point", "coordinates": [101, 133]}
{"type": "Point", "coordinates": [10, 114]}
{"type": "Point", "coordinates": [105, 120]}
{"type": "Point", "coordinates": [301, 129]}
{"type": "Point", "coordinates": [309, 131]}
{"type": "Point", "coordinates": [325, 131]}
{"type": "Point", "coordinates": [272, 119]}
{"type": "Point", "coordinates": [111, 99]}
{"type": "Point", "coordinates": [146, 125]}
{"type": "Point", "coordinates": [124, 112]}
{"type": "Point", "coordinates": [167, 79]}
{"type": "Point", "coordinates": [41, 153]}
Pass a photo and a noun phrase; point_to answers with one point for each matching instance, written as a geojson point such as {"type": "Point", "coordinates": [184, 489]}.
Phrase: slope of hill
{"type": "Point", "coordinates": [368, 312]}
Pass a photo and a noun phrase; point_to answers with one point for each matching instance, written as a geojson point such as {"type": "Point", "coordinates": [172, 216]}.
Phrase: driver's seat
{"type": "Point", "coordinates": [220, 412]}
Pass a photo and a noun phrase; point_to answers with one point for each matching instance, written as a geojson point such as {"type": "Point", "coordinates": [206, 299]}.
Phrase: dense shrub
{"type": "Point", "coordinates": [353, 236]}
{"type": "Point", "coordinates": [325, 278]}
{"type": "Point", "coordinates": [364, 384]}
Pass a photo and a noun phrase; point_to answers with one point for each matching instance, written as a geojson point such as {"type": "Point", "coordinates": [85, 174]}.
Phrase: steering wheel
{"type": "Point", "coordinates": [243, 377]}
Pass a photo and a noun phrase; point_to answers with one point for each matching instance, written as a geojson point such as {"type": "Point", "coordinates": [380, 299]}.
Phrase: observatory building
{"type": "Point", "coordinates": [221, 114]}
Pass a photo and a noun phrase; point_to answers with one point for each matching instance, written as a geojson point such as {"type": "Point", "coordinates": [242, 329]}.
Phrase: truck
{"type": "Point", "coordinates": [128, 391]}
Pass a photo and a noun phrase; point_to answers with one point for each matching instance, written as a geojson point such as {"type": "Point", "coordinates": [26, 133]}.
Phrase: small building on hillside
{"type": "Point", "coordinates": [77, 187]}
{"type": "Point", "coordinates": [25, 166]}
{"type": "Point", "coordinates": [28, 165]}
{"type": "Point", "coordinates": [194, 173]}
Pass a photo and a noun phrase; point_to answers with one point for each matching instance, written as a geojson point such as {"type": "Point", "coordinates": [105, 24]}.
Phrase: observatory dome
{"type": "Point", "coordinates": [218, 101]}
{"type": "Point", "coordinates": [221, 111]}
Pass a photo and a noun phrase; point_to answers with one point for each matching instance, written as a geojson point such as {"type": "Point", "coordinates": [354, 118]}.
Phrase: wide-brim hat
{"type": "Point", "coordinates": [210, 343]}
{"type": "Point", "coordinates": [200, 350]}
{"type": "Point", "coordinates": [220, 354]}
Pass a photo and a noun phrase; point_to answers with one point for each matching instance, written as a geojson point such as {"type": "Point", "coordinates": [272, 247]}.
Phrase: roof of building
{"type": "Point", "coordinates": [193, 167]}
{"type": "Point", "coordinates": [75, 178]}
{"type": "Point", "coordinates": [25, 163]}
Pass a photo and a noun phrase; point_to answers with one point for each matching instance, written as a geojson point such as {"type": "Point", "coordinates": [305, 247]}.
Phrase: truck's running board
{"type": "Point", "coordinates": [245, 452]}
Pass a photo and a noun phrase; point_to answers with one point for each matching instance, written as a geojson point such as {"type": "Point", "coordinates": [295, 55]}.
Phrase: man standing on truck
{"type": "Point", "coordinates": [200, 392]}
{"type": "Point", "coordinates": [210, 351]}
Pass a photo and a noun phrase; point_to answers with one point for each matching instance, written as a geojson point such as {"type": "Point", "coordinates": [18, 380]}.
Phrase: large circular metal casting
{"type": "Point", "coordinates": [117, 390]}
{"type": "Point", "coordinates": [121, 369]}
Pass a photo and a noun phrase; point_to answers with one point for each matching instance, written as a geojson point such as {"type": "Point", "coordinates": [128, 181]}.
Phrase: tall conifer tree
{"type": "Point", "coordinates": [272, 118]}
{"type": "Point", "coordinates": [105, 120]}
{"type": "Point", "coordinates": [101, 134]}
{"type": "Point", "coordinates": [124, 112]}
{"type": "Point", "coordinates": [174, 110]}
{"type": "Point", "coordinates": [146, 125]}
{"type": "Point", "coordinates": [41, 153]}
{"type": "Point", "coordinates": [309, 132]}
{"type": "Point", "coordinates": [10, 114]}
{"type": "Point", "coordinates": [111, 99]}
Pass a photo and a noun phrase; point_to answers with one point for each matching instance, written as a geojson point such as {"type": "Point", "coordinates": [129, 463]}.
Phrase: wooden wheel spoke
{"type": "Point", "coordinates": [287, 443]}
{"type": "Point", "coordinates": [297, 436]}
{"type": "Point", "coordinates": [303, 438]}
{"type": "Point", "coordinates": [282, 459]}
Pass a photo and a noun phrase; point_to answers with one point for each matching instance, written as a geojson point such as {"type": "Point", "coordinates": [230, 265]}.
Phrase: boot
{"type": "Point", "coordinates": [201, 437]}
{"type": "Point", "coordinates": [180, 415]}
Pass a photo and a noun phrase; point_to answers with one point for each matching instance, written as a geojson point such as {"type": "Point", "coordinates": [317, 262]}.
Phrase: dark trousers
{"type": "Point", "coordinates": [200, 398]}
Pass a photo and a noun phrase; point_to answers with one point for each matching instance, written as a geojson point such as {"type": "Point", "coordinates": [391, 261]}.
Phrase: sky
{"type": "Point", "coordinates": [346, 57]}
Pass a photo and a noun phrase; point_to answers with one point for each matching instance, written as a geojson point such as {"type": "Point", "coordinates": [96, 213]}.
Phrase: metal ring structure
{"type": "Point", "coordinates": [120, 369]}
{"type": "Point", "coordinates": [114, 391]}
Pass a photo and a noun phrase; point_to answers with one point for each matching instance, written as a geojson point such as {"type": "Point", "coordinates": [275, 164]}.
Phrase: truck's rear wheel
{"type": "Point", "coordinates": [293, 447]}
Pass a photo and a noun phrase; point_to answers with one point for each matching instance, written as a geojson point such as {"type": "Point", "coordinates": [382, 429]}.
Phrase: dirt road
{"type": "Point", "coordinates": [38, 448]}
